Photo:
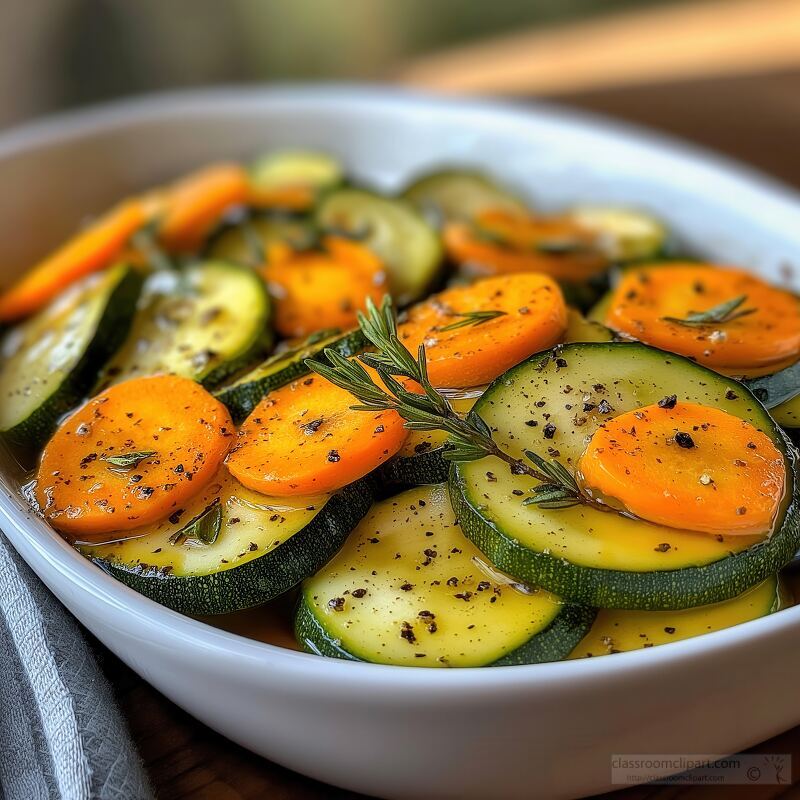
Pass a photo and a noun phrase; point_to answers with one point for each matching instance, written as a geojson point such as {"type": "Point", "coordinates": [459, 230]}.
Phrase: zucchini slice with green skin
{"type": "Point", "coordinates": [247, 240]}
{"type": "Point", "coordinates": [409, 247]}
{"type": "Point", "coordinates": [421, 460]}
{"type": "Point", "coordinates": [264, 546]}
{"type": "Point", "coordinates": [409, 589]}
{"type": "Point", "coordinates": [616, 631]}
{"type": "Point", "coordinates": [49, 362]}
{"type": "Point", "coordinates": [456, 195]}
{"type": "Point", "coordinates": [552, 404]}
{"type": "Point", "coordinates": [307, 168]}
{"type": "Point", "coordinates": [204, 322]}
{"type": "Point", "coordinates": [626, 234]}
{"type": "Point", "coordinates": [243, 394]}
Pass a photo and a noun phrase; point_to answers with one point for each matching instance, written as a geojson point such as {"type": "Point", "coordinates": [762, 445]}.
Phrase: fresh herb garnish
{"type": "Point", "coordinates": [203, 529]}
{"type": "Point", "coordinates": [469, 438]}
{"type": "Point", "coordinates": [128, 460]}
{"type": "Point", "coordinates": [718, 315]}
{"type": "Point", "coordinates": [470, 318]}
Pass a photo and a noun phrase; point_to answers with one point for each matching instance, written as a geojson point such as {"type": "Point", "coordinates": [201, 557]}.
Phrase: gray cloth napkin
{"type": "Point", "coordinates": [62, 736]}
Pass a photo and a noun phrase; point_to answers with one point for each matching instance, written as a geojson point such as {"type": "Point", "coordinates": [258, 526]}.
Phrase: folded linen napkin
{"type": "Point", "coordinates": [62, 736]}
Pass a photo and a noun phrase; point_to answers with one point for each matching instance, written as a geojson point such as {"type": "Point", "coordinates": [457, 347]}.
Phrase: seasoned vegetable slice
{"type": "Point", "coordinates": [408, 588]}
{"type": "Point", "coordinates": [49, 362]}
{"type": "Point", "coordinates": [459, 195]}
{"type": "Point", "coordinates": [552, 404]}
{"type": "Point", "coordinates": [724, 318]}
{"type": "Point", "coordinates": [474, 333]}
{"type": "Point", "coordinates": [248, 549]}
{"type": "Point", "coordinates": [305, 438]}
{"type": "Point", "coordinates": [323, 288]}
{"type": "Point", "coordinates": [205, 323]}
{"type": "Point", "coordinates": [131, 456]}
{"type": "Point", "coordinates": [616, 631]}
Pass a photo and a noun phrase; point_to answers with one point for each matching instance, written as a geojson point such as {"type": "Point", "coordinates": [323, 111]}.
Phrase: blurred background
{"type": "Point", "coordinates": [721, 72]}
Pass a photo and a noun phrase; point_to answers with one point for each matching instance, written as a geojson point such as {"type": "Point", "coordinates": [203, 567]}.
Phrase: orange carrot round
{"type": "Point", "coordinates": [284, 198]}
{"type": "Point", "coordinates": [304, 438]}
{"type": "Point", "coordinates": [500, 242]}
{"type": "Point", "coordinates": [132, 455]}
{"type": "Point", "coordinates": [194, 204]}
{"type": "Point", "coordinates": [759, 336]}
{"type": "Point", "coordinates": [88, 251]}
{"type": "Point", "coordinates": [687, 466]}
{"type": "Point", "coordinates": [474, 333]}
{"type": "Point", "coordinates": [322, 288]}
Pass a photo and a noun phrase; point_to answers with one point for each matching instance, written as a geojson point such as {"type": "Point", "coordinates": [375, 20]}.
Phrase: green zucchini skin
{"type": "Point", "coordinates": [111, 330]}
{"type": "Point", "coordinates": [244, 394]}
{"type": "Point", "coordinates": [554, 643]}
{"type": "Point", "coordinates": [648, 590]}
{"type": "Point", "coordinates": [261, 579]}
{"type": "Point", "coordinates": [405, 471]}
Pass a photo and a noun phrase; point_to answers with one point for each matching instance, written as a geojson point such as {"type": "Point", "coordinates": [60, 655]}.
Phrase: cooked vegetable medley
{"type": "Point", "coordinates": [463, 431]}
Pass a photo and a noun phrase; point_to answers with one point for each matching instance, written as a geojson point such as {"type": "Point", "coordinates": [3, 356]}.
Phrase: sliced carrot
{"type": "Point", "coordinates": [530, 315]}
{"type": "Point", "coordinates": [322, 288]}
{"type": "Point", "coordinates": [132, 455]}
{"type": "Point", "coordinates": [286, 198]}
{"type": "Point", "coordinates": [690, 466]}
{"type": "Point", "coordinates": [304, 438]}
{"type": "Point", "coordinates": [765, 339]}
{"type": "Point", "coordinates": [500, 242]}
{"type": "Point", "coordinates": [194, 204]}
{"type": "Point", "coordinates": [88, 251]}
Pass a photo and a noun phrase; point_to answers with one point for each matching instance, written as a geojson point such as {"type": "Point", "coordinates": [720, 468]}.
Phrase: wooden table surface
{"type": "Point", "coordinates": [754, 119]}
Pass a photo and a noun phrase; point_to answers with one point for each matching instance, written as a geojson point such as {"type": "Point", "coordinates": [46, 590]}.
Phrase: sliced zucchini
{"type": "Point", "coordinates": [409, 589]}
{"type": "Point", "coordinates": [262, 547]}
{"type": "Point", "coordinates": [247, 240]}
{"type": "Point", "coordinates": [455, 195]}
{"type": "Point", "coordinates": [552, 404]}
{"type": "Point", "coordinates": [626, 234]}
{"type": "Point", "coordinates": [616, 631]}
{"type": "Point", "coordinates": [242, 395]}
{"type": "Point", "coordinates": [50, 361]}
{"type": "Point", "coordinates": [205, 322]}
{"type": "Point", "coordinates": [297, 168]}
{"type": "Point", "coordinates": [393, 230]}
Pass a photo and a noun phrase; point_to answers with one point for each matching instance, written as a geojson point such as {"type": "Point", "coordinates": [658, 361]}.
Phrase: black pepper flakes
{"type": "Point", "coordinates": [670, 401]}
{"type": "Point", "coordinates": [549, 430]}
{"type": "Point", "coordinates": [684, 440]}
{"type": "Point", "coordinates": [333, 456]}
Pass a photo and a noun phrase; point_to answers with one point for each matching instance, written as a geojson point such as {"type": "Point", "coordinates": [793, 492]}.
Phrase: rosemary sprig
{"type": "Point", "coordinates": [469, 438]}
{"type": "Point", "coordinates": [470, 318]}
{"type": "Point", "coordinates": [717, 315]}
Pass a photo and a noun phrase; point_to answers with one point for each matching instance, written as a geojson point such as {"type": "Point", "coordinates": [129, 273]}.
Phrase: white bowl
{"type": "Point", "coordinates": [547, 730]}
